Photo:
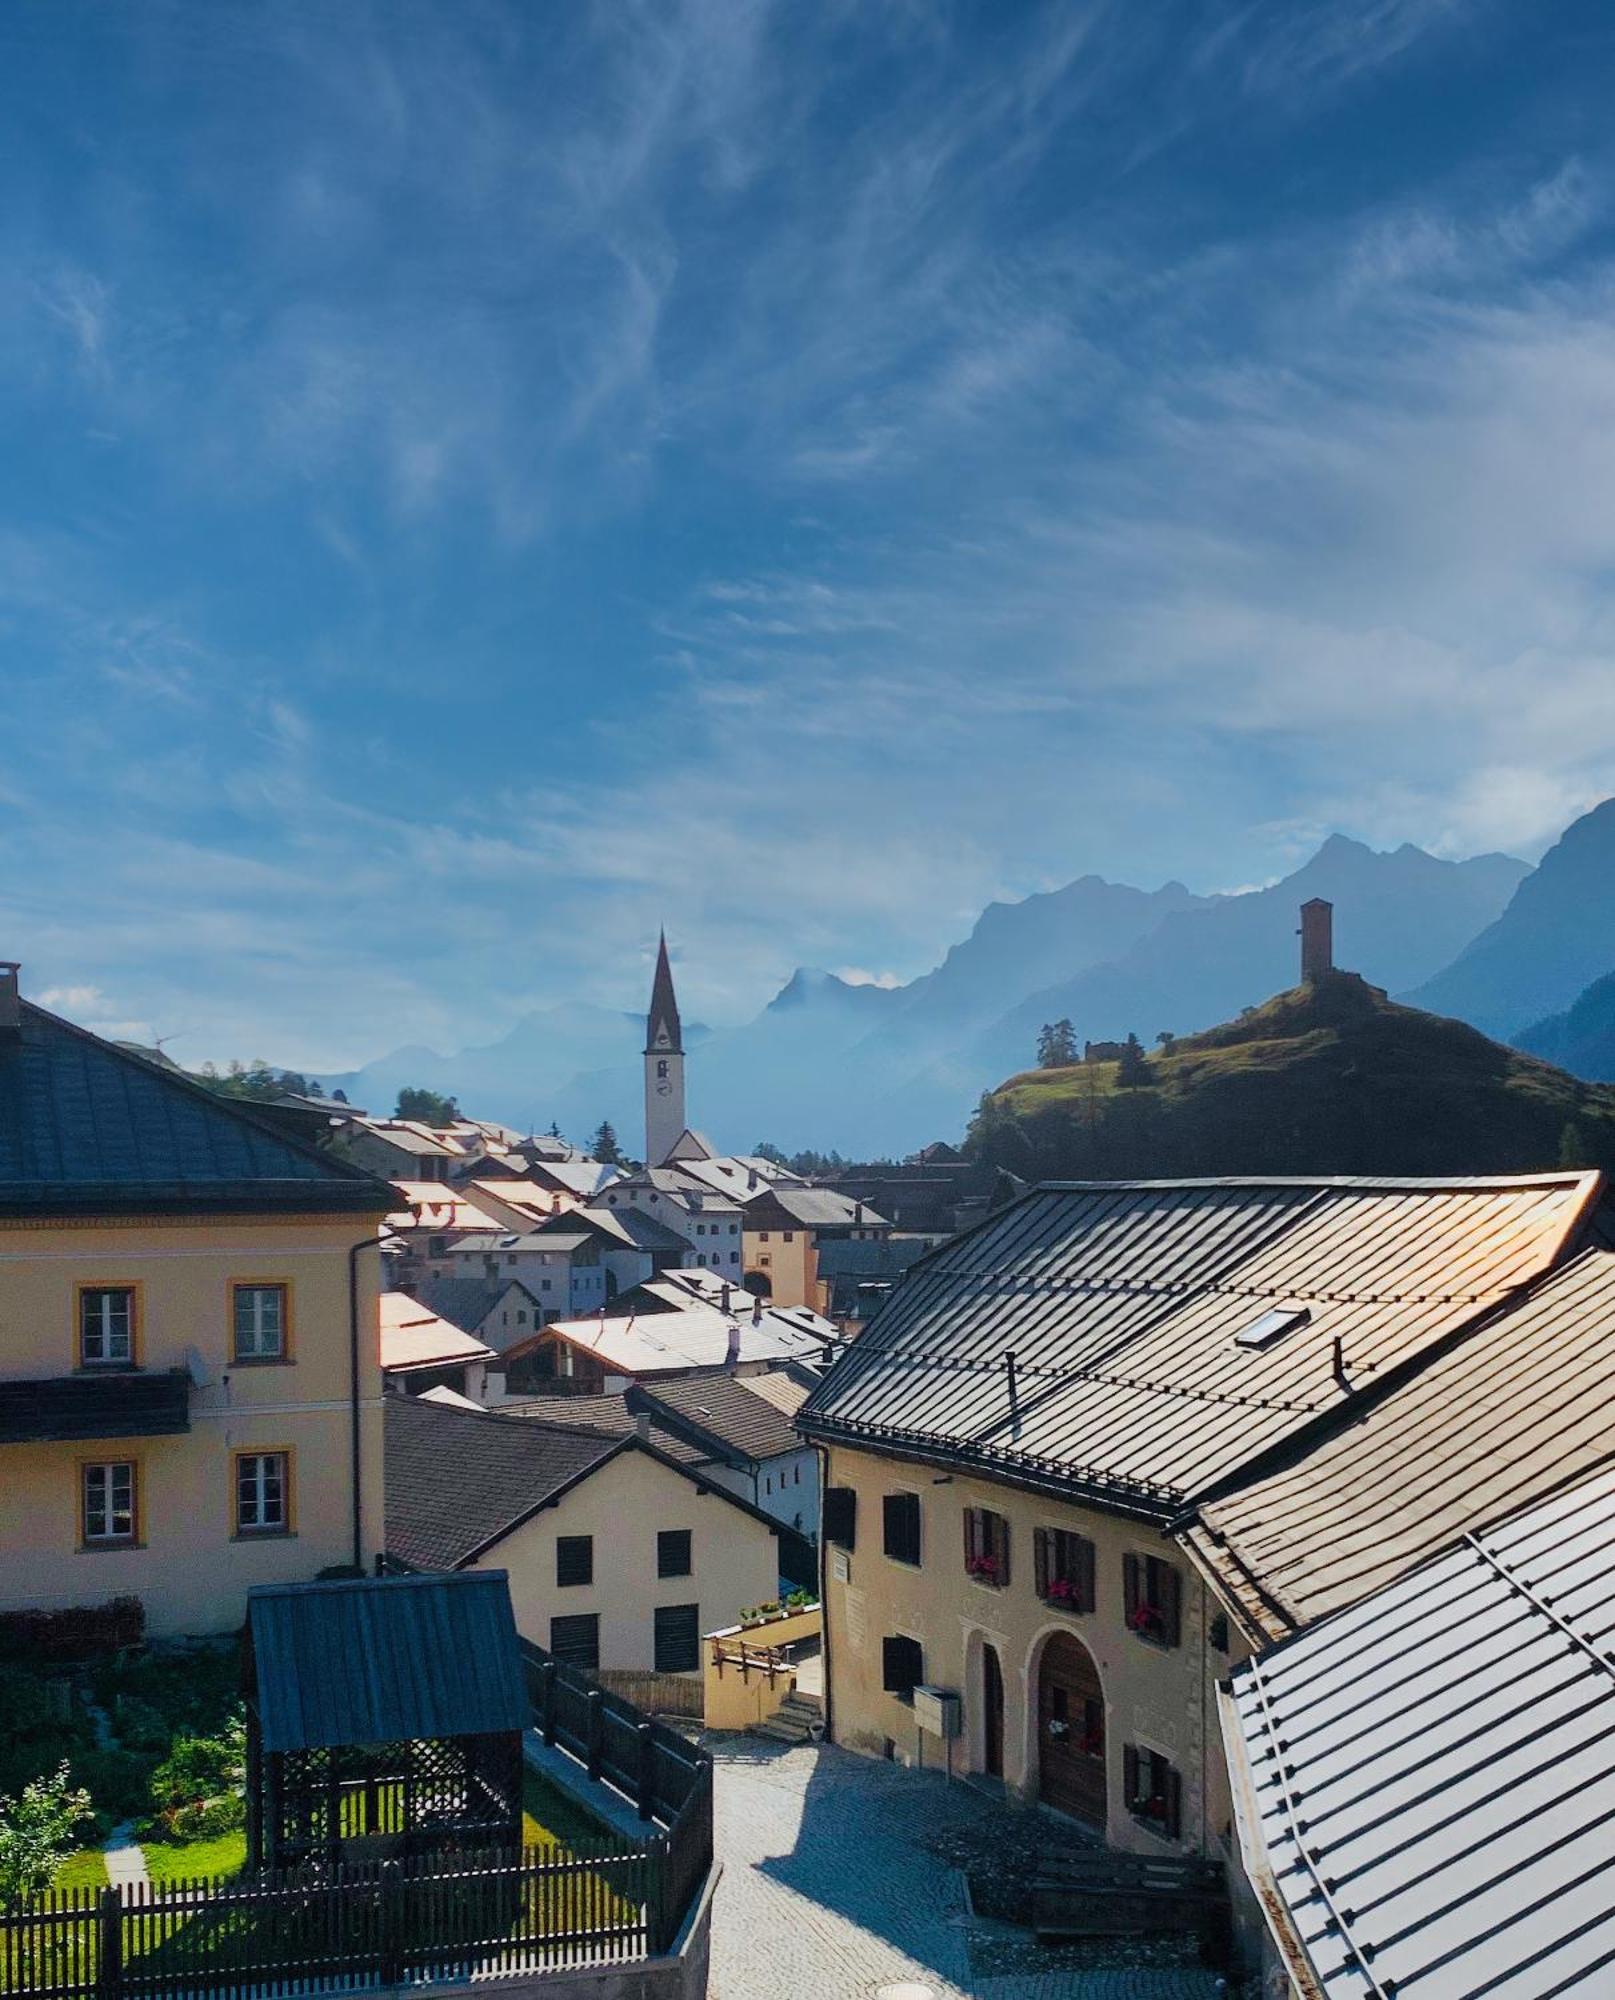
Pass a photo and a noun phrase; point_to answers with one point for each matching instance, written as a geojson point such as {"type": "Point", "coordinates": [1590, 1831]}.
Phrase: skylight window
{"type": "Point", "coordinates": [1273, 1326]}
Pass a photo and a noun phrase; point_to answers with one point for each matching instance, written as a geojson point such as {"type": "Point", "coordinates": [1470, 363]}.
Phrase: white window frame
{"type": "Point", "coordinates": [99, 1489]}
{"type": "Point", "coordinates": [104, 1295]}
{"type": "Point", "coordinates": [267, 1483]}
{"type": "Point", "coordinates": [253, 1349]}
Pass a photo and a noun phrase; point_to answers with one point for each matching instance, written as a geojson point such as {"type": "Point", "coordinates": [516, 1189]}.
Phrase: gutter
{"type": "Point", "coordinates": [827, 1678]}
{"type": "Point", "coordinates": [354, 1452]}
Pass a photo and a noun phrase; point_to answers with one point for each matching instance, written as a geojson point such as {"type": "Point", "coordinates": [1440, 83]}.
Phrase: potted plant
{"type": "Point", "coordinates": [1145, 1620]}
{"type": "Point", "coordinates": [1061, 1591]}
{"type": "Point", "coordinates": [985, 1569]}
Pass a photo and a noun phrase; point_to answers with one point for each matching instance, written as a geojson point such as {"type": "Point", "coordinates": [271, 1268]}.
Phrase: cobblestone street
{"type": "Point", "coordinates": [829, 1893]}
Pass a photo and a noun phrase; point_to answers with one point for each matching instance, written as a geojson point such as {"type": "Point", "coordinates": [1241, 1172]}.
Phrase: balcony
{"type": "Point", "coordinates": [113, 1405]}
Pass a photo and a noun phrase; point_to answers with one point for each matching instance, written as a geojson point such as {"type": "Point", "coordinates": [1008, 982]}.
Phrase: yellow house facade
{"type": "Point", "coordinates": [190, 1379]}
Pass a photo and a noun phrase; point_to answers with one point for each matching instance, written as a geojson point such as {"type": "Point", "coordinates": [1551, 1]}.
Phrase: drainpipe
{"type": "Point", "coordinates": [824, 1599]}
{"type": "Point", "coordinates": [370, 1243]}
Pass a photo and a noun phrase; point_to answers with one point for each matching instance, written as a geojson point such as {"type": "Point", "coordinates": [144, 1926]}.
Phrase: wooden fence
{"type": "Point", "coordinates": [338, 1929]}
{"type": "Point", "coordinates": [656, 1694]}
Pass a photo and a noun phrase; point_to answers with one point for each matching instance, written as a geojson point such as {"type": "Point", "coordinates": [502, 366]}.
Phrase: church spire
{"type": "Point", "coordinates": [662, 1030]}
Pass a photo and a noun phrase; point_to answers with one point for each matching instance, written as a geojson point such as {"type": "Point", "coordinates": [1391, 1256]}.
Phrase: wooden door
{"type": "Point", "coordinates": [1071, 1731]}
{"type": "Point", "coordinates": [992, 1712]}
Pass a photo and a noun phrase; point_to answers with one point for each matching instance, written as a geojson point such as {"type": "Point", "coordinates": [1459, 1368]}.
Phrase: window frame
{"type": "Point", "coordinates": [838, 1517]}
{"type": "Point", "coordinates": [285, 1356]}
{"type": "Point", "coordinates": [91, 1544]}
{"type": "Point", "coordinates": [1152, 1600]}
{"type": "Point", "coordinates": [574, 1543]}
{"type": "Point", "coordinates": [906, 1498]}
{"type": "Point", "coordinates": [902, 1693]}
{"type": "Point", "coordinates": [667, 1535]}
{"type": "Point", "coordinates": [241, 1531]}
{"type": "Point", "coordinates": [1066, 1566]}
{"type": "Point", "coordinates": [987, 1547]}
{"type": "Point", "coordinates": [132, 1289]}
{"type": "Point", "coordinates": [1165, 1790]}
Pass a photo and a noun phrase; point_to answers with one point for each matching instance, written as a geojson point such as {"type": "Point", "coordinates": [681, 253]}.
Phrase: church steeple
{"type": "Point", "coordinates": [664, 1065]}
{"type": "Point", "coordinates": [662, 1030]}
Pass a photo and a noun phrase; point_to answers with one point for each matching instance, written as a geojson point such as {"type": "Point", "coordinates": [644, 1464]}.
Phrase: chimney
{"type": "Point", "coordinates": [642, 1426]}
{"type": "Point", "coordinates": [1317, 940]}
{"type": "Point", "coordinates": [731, 1357]}
{"type": "Point", "coordinates": [857, 1214]}
{"type": "Point", "coordinates": [10, 1001]}
{"type": "Point", "coordinates": [725, 1295]}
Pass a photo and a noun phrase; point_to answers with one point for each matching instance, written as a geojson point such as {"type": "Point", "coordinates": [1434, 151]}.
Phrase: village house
{"type": "Point", "coordinates": [397, 1149]}
{"type": "Point", "coordinates": [1014, 1445]}
{"type": "Point", "coordinates": [647, 1336]}
{"type": "Point", "coordinates": [421, 1351]}
{"type": "Point", "coordinates": [562, 1266]}
{"type": "Point", "coordinates": [190, 1373]}
{"type": "Point", "coordinates": [621, 1554]}
{"type": "Point", "coordinates": [745, 1423]}
{"type": "Point", "coordinates": [785, 1231]}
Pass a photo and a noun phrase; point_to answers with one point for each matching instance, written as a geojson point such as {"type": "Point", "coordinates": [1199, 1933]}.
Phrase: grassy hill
{"type": "Point", "coordinates": [1332, 1078]}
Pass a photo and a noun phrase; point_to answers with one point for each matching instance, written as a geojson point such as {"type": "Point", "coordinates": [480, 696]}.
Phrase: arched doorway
{"type": "Point", "coordinates": [992, 1713]}
{"type": "Point", "coordinates": [1071, 1731]}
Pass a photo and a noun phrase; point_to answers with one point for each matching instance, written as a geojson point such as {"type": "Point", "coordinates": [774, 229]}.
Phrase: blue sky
{"type": "Point", "coordinates": [480, 481]}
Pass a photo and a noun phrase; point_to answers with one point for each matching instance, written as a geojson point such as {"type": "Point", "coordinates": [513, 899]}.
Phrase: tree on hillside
{"type": "Point", "coordinates": [425, 1107]}
{"type": "Point", "coordinates": [1056, 1045]}
{"type": "Point", "coordinates": [1133, 1069]}
{"type": "Point", "coordinates": [764, 1150]}
{"type": "Point", "coordinates": [1166, 1041]}
{"type": "Point", "coordinates": [603, 1146]}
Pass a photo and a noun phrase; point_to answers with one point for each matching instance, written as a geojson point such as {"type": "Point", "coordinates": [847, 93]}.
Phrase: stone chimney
{"type": "Point", "coordinates": [731, 1356]}
{"type": "Point", "coordinates": [10, 1001]}
{"type": "Point", "coordinates": [724, 1296]}
{"type": "Point", "coordinates": [1317, 940]}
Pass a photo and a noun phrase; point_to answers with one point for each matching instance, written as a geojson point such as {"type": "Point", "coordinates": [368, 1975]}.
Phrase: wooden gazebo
{"type": "Point", "coordinates": [384, 1717]}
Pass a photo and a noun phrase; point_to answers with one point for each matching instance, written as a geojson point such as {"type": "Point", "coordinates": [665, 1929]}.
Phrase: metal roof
{"type": "Point", "coordinates": [385, 1660]}
{"type": "Point", "coordinates": [699, 1337]}
{"type": "Point", "coordinates": [1425, 1784]}
{"type": "Point", "coordinates": [1525, 1401]}
{"type": "Point", "coordinates": [86, 1127]}
{"type": "Point", "coordinates": [1121, 1305]}
{"type": "Point", "coordinates": [413, 1336]}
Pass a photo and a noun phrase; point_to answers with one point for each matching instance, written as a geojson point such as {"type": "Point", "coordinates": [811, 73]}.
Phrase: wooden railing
{"type": "Point", "coordinates": [747, 1660]}
{"type": "Point", "coordinates": [319, 1930]}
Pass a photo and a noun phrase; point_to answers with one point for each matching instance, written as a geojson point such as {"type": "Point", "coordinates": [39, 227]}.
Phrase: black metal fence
{"type": "Point", "coordinates": [338, 1928]}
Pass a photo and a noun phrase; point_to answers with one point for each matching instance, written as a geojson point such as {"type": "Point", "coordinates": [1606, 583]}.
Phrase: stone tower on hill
{"type": "Point", "coordinates": [664, 1065]}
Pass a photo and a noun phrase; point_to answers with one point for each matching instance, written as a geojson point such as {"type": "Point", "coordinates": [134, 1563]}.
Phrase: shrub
{"type": "Point", "coordinates": [36, 1834]}
{"type": "Point", "coordinates": [74, 1634]}
{"type": "Point", "coordinates": [198, 1787]}
{"type": "Point", "coordinates": [118, 1782]}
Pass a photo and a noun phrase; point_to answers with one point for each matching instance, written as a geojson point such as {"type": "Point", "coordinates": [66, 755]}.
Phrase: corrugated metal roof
{"type": "Point", "coordinates": [385, 1660]}
{"type": "Point", "coordinates": [1426, 1783]}
{"type": "Point", "coordinates": [1525, 1401]}
{"type": "Point", "coordinates": [1122, 1302]}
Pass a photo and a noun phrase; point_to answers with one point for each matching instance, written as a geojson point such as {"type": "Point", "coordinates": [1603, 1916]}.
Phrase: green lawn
{"type": "Point", "coordinates": [83, 1870]}
{"type": "Point", "coordinates": [553, 1818]}
{"type": "Point", "coordinates": [167, 1861]}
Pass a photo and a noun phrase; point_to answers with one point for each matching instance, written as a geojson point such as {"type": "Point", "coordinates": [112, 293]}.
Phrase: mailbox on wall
{"type": "Point", "coordinates": [937, 1711]}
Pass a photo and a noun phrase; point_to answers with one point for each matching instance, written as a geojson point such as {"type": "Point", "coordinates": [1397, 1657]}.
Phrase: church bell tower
{"type": "Point", "coordinates": [664, 1065]}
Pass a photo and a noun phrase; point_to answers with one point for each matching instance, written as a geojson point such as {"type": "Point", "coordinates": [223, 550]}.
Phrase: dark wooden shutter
{"type": "Point", "coordinates": [574, 1559]}
{"type": "Point", "coordinates": [575, 1640]}
{"type": "Point", "coordinates": [1171, 1581]}
{"type": "Point", "coordinates": [1130, 1769]}
{"type": "Point", "coordinates": [1087, 1590]}
{"type": "Point", "coordinates": [1040, 1560]}
{"type": "Point", "coordinates": [1173, 1826]}
{"type": "Point", "coordinates": [970, 1536]}
{"type": "Point", "coordinates": [900, 1518]}
{"type": "Point", "coordinates": [1001, 1546]}
{"type": "Point", "coordinates": [1132, 1587]}
{"type": "Point", "coordinates": [677, 1638]}
{"type": "Point", "coordinates": [841, 1516]}
{"type": "Point", "coordinates": [902, 1665]}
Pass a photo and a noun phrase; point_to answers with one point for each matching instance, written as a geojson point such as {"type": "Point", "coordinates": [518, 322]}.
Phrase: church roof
{"type": "Point", "coordinates": [664, 1007]}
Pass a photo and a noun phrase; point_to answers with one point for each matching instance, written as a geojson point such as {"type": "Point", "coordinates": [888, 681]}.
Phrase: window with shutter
{"type": "Point", "coordinates": [678, 1638]}
{"type": "Point", "coordinates": [1065, 1569]}
{"type": "Point", "coordinates": [902, 1666]}
{"type": "Point", "coordinates": [574, 1560]}
{"type": "Point", "coordinates": [986, 1546]}
{"type": "Point", "coordinates": [575, 1640]}
{"type": "Point", "coordinates": [673, 1552]}
{"type": "Point", "coordinates": [900, 1515]}
{"type": "Point", "coordinates": [841, 1516]}
{"type": "Point", "coordinates": [1154, 1599]}
{"type": "Point", "coordinates": [1154, 1791]}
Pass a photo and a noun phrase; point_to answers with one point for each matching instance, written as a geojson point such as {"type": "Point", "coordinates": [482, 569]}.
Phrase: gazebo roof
{"type": "Point", "coordinates": [385, 1660]}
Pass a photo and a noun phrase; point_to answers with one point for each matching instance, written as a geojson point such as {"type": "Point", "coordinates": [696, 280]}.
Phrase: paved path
{"type": "Point", "coordinates": [125, 1862]}
{"type": "Point", "coordinates": [827, 1894]}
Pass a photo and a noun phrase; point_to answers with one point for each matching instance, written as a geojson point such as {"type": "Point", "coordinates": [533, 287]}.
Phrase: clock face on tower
{"type": "Point", "coordinates": [664, 1090]}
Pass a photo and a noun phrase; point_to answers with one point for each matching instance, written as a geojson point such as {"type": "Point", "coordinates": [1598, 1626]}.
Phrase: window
{"type": "Point", "coordinates": [1154, 1791]}
{"type": "Point", "coordinates": [661, 1067]}
{"type": "Point", "coordinates": [1064, 1566]}
{"type": "Point", "coordinates": [263, 1493]}
{"type": "Point", "coordinates": [762, 1236]}
{"type": "Point", "coordinates": [902, 1663]}
{"type": "Point", "coordinates": [841, 1516]}
{"type": "Point", "coordinates": [790, 1235]}
{"type": "Point", "coordinates": [678, 1638]}
{"type": "Point", "coordinates": [1217, 1632]}
{"type": "Point", "coordinates": [986, 1546]}
{"type": "Point", "coordinates": [734, 1229]}
{"type": "Point", "coordinates": [107, 1326]}
{"type": "Point", "coordinates": [574, 1560]}
{"type": "Point", "coordinates": [1153, 1596]}
{"type": "Point", "coordinates": [521, 1315]}
{"type": "Point", "coordinates": [673, 1552]}
{"type": "Point", "coordinates": [765, 1262]}
{"type": "Point", "coordinates": [110, 1493]}
{"type": "Point", "coordinates": [260, 1322]}
{"type": "Point", "coordinates": [901, 1519]}
{"type": "Point", "coordinates": [575, 1640]}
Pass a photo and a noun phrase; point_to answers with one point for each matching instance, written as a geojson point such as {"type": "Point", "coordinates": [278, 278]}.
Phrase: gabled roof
{"type": "Point", "coordinates": [413, 1336]}
{"type": "Point", "coordinates": [815, 1208]}
{"type": "Point", "coordinates": [603, 1416]}
{"type": "Point", "coordinates": [465, 1302]}
{"type": "Point", "coordinates": [1518, 1406]}
{"type": "Point", "coordinates": [666, 1343]}
{"type": "Point", "coordinates": [87, 1128]}
{"type": "Point", "coordinates": [724, 1409]}
{"type": "Point", "coordinates": [1135, 1315]}
{"type": "Point", "coordinates": [385, 1660]}
{"type": "Point", "coordinates": [436, 1207]}
{"type": "Point", "coordinates": [630, 1227]}
{"type": "Point", "coordinates": [1424, 1784]}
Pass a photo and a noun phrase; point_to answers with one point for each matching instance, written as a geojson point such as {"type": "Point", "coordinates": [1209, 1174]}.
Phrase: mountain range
{"type": "Point", "coordinates": [873, 1070]}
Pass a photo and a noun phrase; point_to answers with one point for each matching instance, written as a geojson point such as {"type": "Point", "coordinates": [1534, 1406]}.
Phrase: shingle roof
{"type": "Point", "coordinates": [1122, 1305]}
{"type": "Point", "coordinates": [1519, 1405]}
{"type": "Point", "coordinates": [1425, 1784]}
{"type": "Point", "coordinates": [85, 1127]}
{"type": "Point", "coordinates": [385, 1660]}
{"type": "Point", "coordinates": [723, 1407]}
{"type": "Point", "coordinates": [457, 1483]}
{"type": "Point", "coordinates": [463, 1302]}
{"type": "Point", "coordinates": [820, 1208]}
{"type": "Point", "coordinates": [603, 1416]}
{"type": "Point", "coordinates": [779, 1387]}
